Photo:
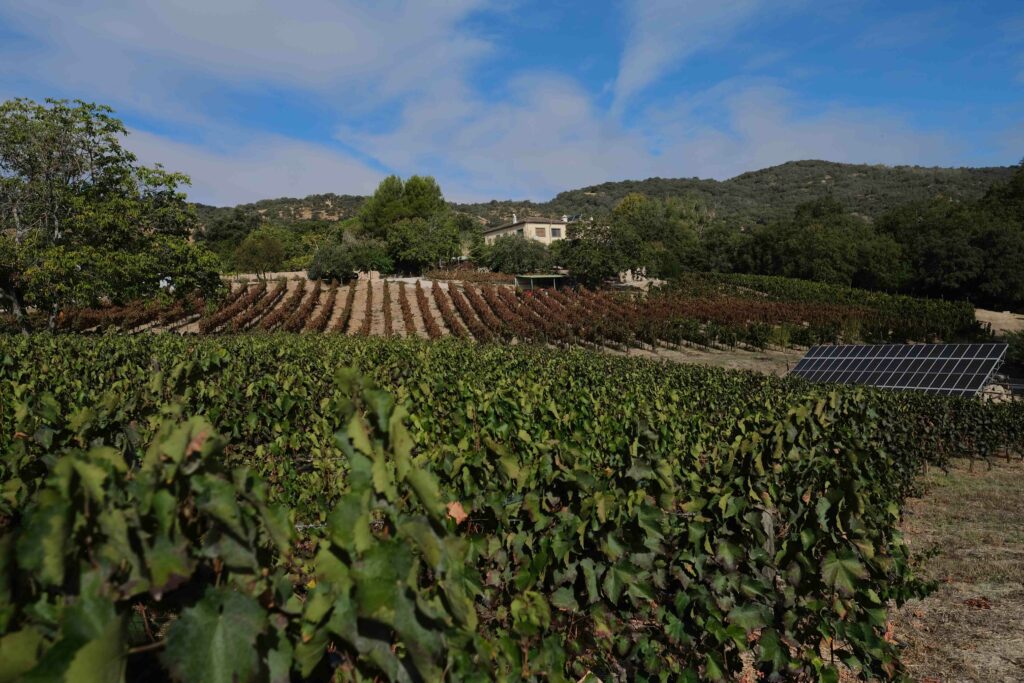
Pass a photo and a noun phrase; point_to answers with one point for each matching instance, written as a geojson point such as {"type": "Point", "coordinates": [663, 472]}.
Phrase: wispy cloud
{"type": "Point", "coordinates": [348, 52]}
{"type": "Point", "coordinates": [244, 96]}
{"type": "Point", "coordinates": [909, 29]}
{"type": "Point", "coordinates": [550, 135]}
{"type": "Point", "coordinates": [270, 166]}
{"type": "Point", "coordinates": [662, 33]}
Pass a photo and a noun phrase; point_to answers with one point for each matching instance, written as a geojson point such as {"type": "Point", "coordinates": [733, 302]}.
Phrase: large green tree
{"type": "Point", "coordinates": [412, 219]}
{"type": "Point", "coordinates": [596, 251]}
{"type": "Point", "coordinates": [965, 250]}
{"type": "Point", "coordinates": [418, 243]}
{"type": "Point", "coordinates": [825, 243]}
{"type": "Point", "coordinates": [514, 254]}
{"type": "Point", "coordinates": [81, 222]}
{"type": "Point", "coordinates": [261, 252]}
{"type": "Point", "coordinates": [395, 200]}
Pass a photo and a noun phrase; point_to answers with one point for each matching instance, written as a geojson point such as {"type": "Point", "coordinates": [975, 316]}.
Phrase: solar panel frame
{"type": "Point", "coordinates": [950, 369]}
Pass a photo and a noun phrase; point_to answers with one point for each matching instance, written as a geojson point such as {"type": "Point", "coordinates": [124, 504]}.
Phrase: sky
{"type": "Point", "coordinates": [523, 99]}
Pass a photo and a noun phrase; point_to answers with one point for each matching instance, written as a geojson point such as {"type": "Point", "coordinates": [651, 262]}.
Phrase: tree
{"type": "Point", "coordinates": [394, 201]}
{"type": "Point", "coordinates": [261, 252]}
{"type": "Point", "coordinates": [515, 254]}
{"type": "Point", "coordinates": [823, 242]}
{"type": "Point", "coordinates": [417, 243]}
{"type": "Point", "coordinates": [595, 251]}
{"type": "Point", "coordinates": [332, 261]}
{"type": "Point", "coordinates": [384, 208]}
{"type": "Point", "coordinates": [232, 227]}
{"type": "Point", "coordinates": [471, 234]}
{"type": "Point", "coordinates": [422, 198]}
{"type": "Point", "coordinates": [82, 223]}
{"type": "Point", "coordinates": [962, 250]}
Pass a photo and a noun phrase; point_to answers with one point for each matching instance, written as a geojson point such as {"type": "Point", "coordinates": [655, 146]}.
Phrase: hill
{"type": "Point", "coordinates": [315, 207]}
{"type": "Point", "coordinates": [754, 197]}
{"type": "Point", "coordinates": [762, 196]}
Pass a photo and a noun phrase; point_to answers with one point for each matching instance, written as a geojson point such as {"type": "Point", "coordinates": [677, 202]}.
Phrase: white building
{"type": "Point", "coordinates": [545, 230]}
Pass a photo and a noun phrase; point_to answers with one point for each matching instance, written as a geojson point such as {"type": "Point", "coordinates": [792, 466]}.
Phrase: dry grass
{"type": "Point", "coordinates": [972, 627]}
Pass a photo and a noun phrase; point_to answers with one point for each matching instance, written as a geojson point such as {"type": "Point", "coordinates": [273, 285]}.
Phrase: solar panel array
{"type": "Point", "coordinates": [950, 369]}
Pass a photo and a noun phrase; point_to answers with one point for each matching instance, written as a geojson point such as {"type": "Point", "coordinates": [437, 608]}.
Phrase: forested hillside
{"type": "Point", "coordinates": [755, 197]}
{"type": "Point", "coordinates": [316, 207]}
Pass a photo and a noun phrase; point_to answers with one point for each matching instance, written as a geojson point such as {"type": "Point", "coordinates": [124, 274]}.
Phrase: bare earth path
{"type": "Point", "coordinates": [414, 308]}
{"type": "Point", "coordinates": [377, 314]}
{"type": "Point", "coordinates": [1000, 321]}
{"type": "Point", "coordinates": [972, 627]}
{"type": "Point", "coordinates": [397, 320]}
{"type": "Point", "coordinates": [772, 361]}
{"type": "Point", "coordinates": [355, 321]}
{"type": "Point", "coordinates": [339, 306]}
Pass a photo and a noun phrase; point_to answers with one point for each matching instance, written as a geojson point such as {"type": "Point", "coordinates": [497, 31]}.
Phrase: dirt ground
{"type": "Point", "coordinates": [1000, 321]}
{"type": "Point", "coordinates": [776, 362]}
{"type": "Point", "coordinates": [972, 627]}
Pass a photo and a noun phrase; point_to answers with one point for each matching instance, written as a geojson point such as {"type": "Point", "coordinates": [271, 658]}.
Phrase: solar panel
{"type": "Point", "coordinates": [950, 369]}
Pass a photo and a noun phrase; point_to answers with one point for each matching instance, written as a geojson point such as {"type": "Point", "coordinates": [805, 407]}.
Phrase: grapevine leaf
{"type": "Point", "coordinates": [90, 650]}
{"type": "Point", "coordinates": [841, 571]}
{"type": "Point", "coordinates": [749, 617]}
{"type": "Point", "coordinates": [215, 641]}
{"type": "Point", "coordinates": [19, 652]}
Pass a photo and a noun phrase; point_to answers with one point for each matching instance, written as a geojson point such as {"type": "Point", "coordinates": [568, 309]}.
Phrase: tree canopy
{"type": "Point", "coordinates": [823, 242]}
{"type": "Point", "coordinates": [81, 222]}
{"type": "Point", "coordinates": [515, 254]}
{"type": "Point", "coordinates": [965, 250]}
{"type": "Point", "coordinates": [414, 223]}
{"type": "Point", "coordinates": [261, 252]}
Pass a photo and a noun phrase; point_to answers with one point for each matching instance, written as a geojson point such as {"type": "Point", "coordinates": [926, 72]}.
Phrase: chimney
{"type": "Point", "coordinates": [514, 217]}
{"type": "Point", "coordinates": [565, 218]}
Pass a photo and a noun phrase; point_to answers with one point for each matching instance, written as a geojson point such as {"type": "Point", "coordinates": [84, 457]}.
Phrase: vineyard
{"type": "Point", "coordinates": [704, 310]}
{"type": "Point", "coordinates": [262, 507]}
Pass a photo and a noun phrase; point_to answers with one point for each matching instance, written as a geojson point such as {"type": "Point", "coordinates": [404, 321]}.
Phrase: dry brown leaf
{"type": "Point", "coordinates": [457, 512]}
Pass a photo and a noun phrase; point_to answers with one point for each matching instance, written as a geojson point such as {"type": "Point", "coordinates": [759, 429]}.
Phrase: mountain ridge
{"type": "Point", "coordinates": [751, 197]}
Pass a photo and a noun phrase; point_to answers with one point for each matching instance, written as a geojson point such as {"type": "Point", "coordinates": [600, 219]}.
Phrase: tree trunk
{"type": "Point", "coordinates": [17, 307]}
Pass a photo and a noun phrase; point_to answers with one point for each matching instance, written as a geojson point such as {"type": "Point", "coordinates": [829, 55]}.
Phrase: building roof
{"type": "Point", "coordinates": [528, 219]}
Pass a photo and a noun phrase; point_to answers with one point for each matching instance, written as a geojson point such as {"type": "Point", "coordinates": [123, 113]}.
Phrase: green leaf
{"type": "Point", "coordinates": [19, 652]}
{"type": "Point", "coordinates": [91, 648]}
{"type": "Point", "coordinates": [749, 617]}
{"type": "Point", "coordinates": [92, 477]}
{"type": "Point", "coordinates": [425, 487]}
{"type": "Point", "coordinates": [563, 598]}
{"type": "Point", "coordinates": [841, 571]}
{"type": "Point", "coordinates": [217, 498]}
{"type": "Point", "coordinates": [349, 524]}
{"type": "Point", "coordinates": [378, 577]}
{"type": "Point", "coordinates": [215, 641]}
{"type": "Point", "coordinates": [169, 565]}
{"type": "Point", "coordinates": [43, 542]}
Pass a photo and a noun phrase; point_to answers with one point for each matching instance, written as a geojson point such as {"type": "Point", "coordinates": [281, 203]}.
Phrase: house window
{"type": "Point", "coordinates": [540, 232]}
{"type": "Point", "coordinates": [556, 233]}
{"type": "Point", "coordinates": [519, 232]}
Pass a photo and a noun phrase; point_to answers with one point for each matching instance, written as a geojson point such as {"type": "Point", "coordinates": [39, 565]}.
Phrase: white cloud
{"type": "Point", "coordinates": [411, 60]}
{"type": "Point", "coordinates": [663, 33]}
{"type": "Point", "coordinates": [549, 136]}
{"type": "Point", "coordinates": [545, 136]}
{"type": "Point", "coordinates": [270, 166]}
{"type": "Point", "coordinates": [347, 51]}
{"type": "Point", "coordinates": [768, 125]}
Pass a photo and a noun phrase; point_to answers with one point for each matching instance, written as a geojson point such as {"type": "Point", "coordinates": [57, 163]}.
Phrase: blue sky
{"type": "Point", "coordinates": [523, 99]}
